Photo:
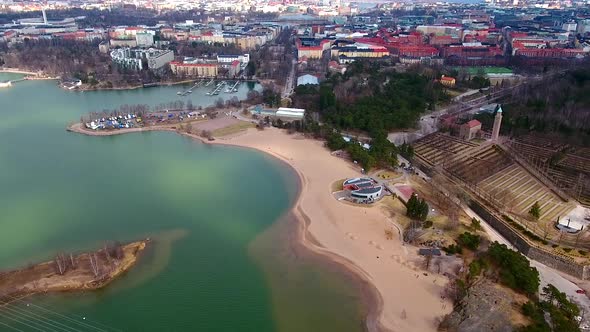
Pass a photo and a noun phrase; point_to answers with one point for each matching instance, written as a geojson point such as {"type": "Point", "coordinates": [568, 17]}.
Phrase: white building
{"type": "Point", "coordinates": [144, 39]}
{"type": "Point", "coordinates": [131, 58]}
{"type": "Point", "coordinates": [125, 58]}
{"type": "Point", "coordinates": [159, 58]}
{"type": "Point", "coordinates": [286, 112]}
{"type": "Point", "coordinates": [228, 59]}
{"type": "Point", "coordinates": [570, 26]}
{"type": "Point", "coordinates": [307, 79]}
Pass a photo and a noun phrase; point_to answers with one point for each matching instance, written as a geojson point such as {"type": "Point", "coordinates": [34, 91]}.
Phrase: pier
{"type": "Point", "coordinates": [233, 89]}
{"type": "Point", "coordinates": [7, 84]}
{"type": "Point", "coordinates": [215, 91]}
{"type": "Point", "coordinates": [190, 90]}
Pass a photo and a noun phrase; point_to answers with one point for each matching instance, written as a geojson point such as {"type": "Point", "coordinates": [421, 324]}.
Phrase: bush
{"type": "Point", "coordinates": [554, 246]}
{"type": "Point", "coordinates": [567, 250]}
{"type": "Point", "coordinates": [469, 240]}
{"type": "Point", "coordinates": [475, 268]}
{"type": "Point", "coordinates": [427, 224]}
{"type": "Point", "coordinates": [334, 141]}
{"type": "Point", "coordinates": [417, 208]}
{"type": "Point", "coordinates": [453, 249]}
{"type": "Point", "coordinates": [514, 269]}
{"type": "Point", "coordinates": [475, 224]}
{"type": "Point", "coordinates": [524, 231]}
{"type": "Point", "coordinates": [507, 218]}
{"type": "Point", "coordinates": [583, 252]}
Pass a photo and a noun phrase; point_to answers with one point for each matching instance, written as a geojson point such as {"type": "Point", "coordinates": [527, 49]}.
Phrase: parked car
{"type": "Point", "coordinates": [581, 291]}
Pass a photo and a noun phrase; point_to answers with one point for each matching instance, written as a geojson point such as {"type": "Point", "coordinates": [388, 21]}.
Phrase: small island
{"type": "Point", "coordinates": [71, 272]}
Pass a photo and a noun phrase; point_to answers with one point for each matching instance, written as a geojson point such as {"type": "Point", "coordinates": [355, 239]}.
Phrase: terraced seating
{"type": "Point", "coordinates": [565, 175]}
{"type": "Point", "coordinates": [434, 149]}
{"type": "Point", "coordinates": [495, 173]}
{"type": "Point", "coordinates": [541, 142]}
{"type": "Point", "coordinates": [576, 162]}
{"type": "Point", "coordinates": [524, 190]}
{"type": "Point", "coordinates": [477, 164]}
{"type": "Point", "coordinates": [533, 152]}
{"type": "Point", "coordinates": [580, 152]}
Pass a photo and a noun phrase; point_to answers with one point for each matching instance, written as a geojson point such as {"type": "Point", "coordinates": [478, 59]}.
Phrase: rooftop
{"type": "Point", "coordinates": [368, 190]}
{"type": "Point", "coordinates": [357, 181]}
{"type": "Point", "coordinates": [473, 123]}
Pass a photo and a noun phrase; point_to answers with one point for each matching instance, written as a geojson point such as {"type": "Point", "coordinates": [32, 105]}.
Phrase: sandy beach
{"type": "Point", "coordinates": [17, 71]}
{"type": "Point", "coordinates": [353, 236]}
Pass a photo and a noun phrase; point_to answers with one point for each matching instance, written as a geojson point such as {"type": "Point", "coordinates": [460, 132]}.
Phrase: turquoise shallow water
{"type": "Point", "coordinates": [219, 260]}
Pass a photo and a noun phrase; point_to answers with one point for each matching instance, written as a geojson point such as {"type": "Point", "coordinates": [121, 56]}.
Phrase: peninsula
{"type": "Point", "coordinates": [71, 272]}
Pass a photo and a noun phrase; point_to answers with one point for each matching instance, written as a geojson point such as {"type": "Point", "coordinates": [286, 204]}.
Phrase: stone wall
{"type": "Point", "coordinates": [559, 263]}
{"type": "Point", "coordinates": [508, 233]}
{"type": "Point", "coordinates": [550, 259]}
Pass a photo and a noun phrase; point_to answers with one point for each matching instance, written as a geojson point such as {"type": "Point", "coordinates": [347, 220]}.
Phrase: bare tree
{"type": "Point", "coordinates": [73, 261]}
{"type": "Point", "coordinates": [61, 264]}
{"type": "Point", "coordinates": [94, 264]}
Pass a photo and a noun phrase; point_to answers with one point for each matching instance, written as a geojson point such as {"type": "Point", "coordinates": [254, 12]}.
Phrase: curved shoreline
{"type": "Point", "coordinates": [17, 71]}
{"type": "Point", "coordinates": [375, 319]}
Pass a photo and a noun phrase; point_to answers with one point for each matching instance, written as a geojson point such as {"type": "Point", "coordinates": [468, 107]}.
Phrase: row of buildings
{"type": "Point", "coordinates": [230, 65]}
{"type": "Point", "coordinates": [244, 36]}
{"type": "Point", "coordinates": [457, 35]}
{"type": "Point", "coordinates": [153, 59]}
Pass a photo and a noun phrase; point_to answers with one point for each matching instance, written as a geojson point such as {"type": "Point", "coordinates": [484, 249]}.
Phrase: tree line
{"type": "Point", "coordinates": [559, 108]}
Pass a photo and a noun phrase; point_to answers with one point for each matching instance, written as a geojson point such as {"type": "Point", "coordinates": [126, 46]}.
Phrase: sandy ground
{"type": "Point", "coordinates": [214, 124]}
{"type": "Point", "coordinates": [353, 235]}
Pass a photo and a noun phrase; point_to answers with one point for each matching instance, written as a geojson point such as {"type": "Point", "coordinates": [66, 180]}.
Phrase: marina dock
{"type": "Point", "coordinates": [190, 90]}
{"type": "Point", "coordinates": [233, 88]}
{"type": "Point", "coordinates": [217, 89]}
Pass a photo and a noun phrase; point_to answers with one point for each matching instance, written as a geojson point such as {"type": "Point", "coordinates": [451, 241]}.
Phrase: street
{"type": "Point", "coordinates": [290, 80]}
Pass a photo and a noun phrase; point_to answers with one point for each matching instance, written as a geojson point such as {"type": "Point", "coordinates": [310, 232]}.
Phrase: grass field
{"type": "Point", "coordinates": [232, 129]}
{"type": "Point", "coordinates": [337, 185]}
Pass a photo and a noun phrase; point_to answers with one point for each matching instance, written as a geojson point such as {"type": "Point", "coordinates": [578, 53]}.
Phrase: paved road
{"type": "Point", "coordinates": [289, 83]}
{"type": "Point", "coordinates": [239, 116]}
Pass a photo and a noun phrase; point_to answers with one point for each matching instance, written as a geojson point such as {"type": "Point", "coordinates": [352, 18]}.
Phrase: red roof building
{"type": "Point", "coordinates": [417, 51]}
{"type": "Point", "coordinates": [551, 52]}
{"type": "Point", "coordinates": [469, 130]}
{"type": "Point", "coordinates": [444, 40]}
